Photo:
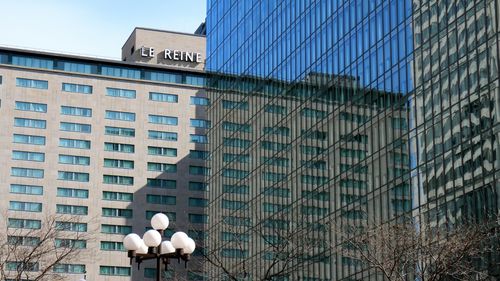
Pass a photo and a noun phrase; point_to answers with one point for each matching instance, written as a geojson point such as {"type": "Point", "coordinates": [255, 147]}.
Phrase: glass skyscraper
{"type": "Point", "coordinates": [346, 113]}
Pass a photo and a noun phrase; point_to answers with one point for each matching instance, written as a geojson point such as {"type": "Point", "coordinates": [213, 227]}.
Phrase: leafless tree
{"type": "Point", "coordinates": [422, 251]}
{"type": "Point", "coordinates": [32, 253]}
{"type": "Point", "coordinates": [285, 250]}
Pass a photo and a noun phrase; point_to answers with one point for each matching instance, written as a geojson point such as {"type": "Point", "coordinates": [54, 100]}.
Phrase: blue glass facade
{"type": "Point", "coordinates": [348, 113]}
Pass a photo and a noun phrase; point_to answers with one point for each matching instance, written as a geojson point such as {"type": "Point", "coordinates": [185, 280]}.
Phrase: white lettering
{"type": "Point", "coordinates": [167, 54]}
{"type": "Point", "coordinates": [182, 56]}
{"type": "Point", "coordinates": [151, 52]}
{"type": "Point", "coordinates": [176, 55]}
{"type": "Point", "coordinates": [143, 52]}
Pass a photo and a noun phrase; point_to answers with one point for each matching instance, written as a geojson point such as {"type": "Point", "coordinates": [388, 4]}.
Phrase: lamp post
{"type": "Point", "coordinates": [152, 247]}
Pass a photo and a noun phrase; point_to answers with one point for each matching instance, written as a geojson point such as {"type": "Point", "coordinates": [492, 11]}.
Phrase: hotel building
{"type": "Point", "coordinates": [102, 145]}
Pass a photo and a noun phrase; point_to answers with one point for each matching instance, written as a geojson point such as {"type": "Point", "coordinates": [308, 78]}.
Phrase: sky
{"type": "Point", "coordinates": [91, 27]}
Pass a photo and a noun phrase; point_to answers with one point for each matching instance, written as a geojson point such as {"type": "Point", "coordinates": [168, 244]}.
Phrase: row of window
{"type": "Point", "coordinates": [112, 92]}
{"type": "Point", "coordinates": [107, 195]}
{"type": "Point", "coordinates": [87, 128]}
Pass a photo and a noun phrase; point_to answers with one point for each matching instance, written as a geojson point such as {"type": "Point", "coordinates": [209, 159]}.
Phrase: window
{"type": "Point", "coordinates": [22, 266]}
{"type": "Point", "coordinates": [198, 218]}
{"type": "Point", "coordinates": [275, 109]}
{"type": "Point", "coordinates": [31, 106]}
{"type": "Point", "coordinates": [317, 135]}
{"type": "Point", "coordinates": [72, 143]}
{"type": "Point", "coordinates": [198, 170]}
{"type": "Point", "coordinates": [29, 139]}
{"type": "Point", "coordinates": [351, 117]}
{"type": "Point", "coordinates": [116, 163]}
{"type": "Point", "coordinates": [69, 268]}
{"type": "Point", "coordinates": [162, 183]}
{"type": "Point", "coordinates": [27, 173]}
{"type": "Point", "coordinates": [200, 123]}
{"type": "Point", "coordinates": [235, 142]}
{"type": "Point", "coordinates": [71, 226]}
{"type": "Point", "coordinates": [313, 113]}
{"type": "Point", "coordinates": [163, 151]}
{"type": "Point", "coordinates": [77, 67]}
{"type": "Point", "coordinates": [74, 160]}
{"type": "Point", "coordinates": [161, 199]}
{"type": "Point", "coordinates": [316, 195]}
{"type": "Point", "coordinates": [32, 62]}
{"type": "Point", "coordinates": [119, 147]}
{"type": "Point", "coordinates": [163, 97]}
{"type": "Point", "coordinates": [350, 183]}
{"type": "Point", "coordinates": [70, 243]}
{"type": "Point", "coordinates": [314, 180]}
{"type": "Point", "coordinates": [114, 212]}
{"type": "Point", "coordinates": [311, 150]}
{"type": "Point", "coordinates": [117, 196]}
{"type": "Point", "coordinates": [234, 173]}
{"type": "Point", "coordinates": [28, 156]}
{"type": "Point", "coordinates": [280, 131]}
{"type": "Point", "coordinates": [399, 123]}
{"type": "Point", "coordinates": [199, 154]}
{"type": "Point", "coordinates": [76, 88]}
{"type": "Point", "coordinates": [353, 153]}
{"type": "Point", "coordinates": [242, 105]}
{"type": "Point", "coordinates": [314, 164]}
{"type": "Point", "coordinates": [198, 202]}
{"type": "Point", "coordinates": [25, 206]}
{"type": "Point", "coordinates": [237, 189]}
{"type": "Point", "coordinates": [199, 101]}
{"type": "Point", "coordinates": [76, 111]}
{"type": "Point", "coordinates": [72, 209]}
{"type": "Point", "coordinates": [73, 176]}
{"type": "Point", "coordinates": [26, 189]}
{"type": "Point", "coordinates": [162, 167]}
{"type": "Point", "coordinates": [29, 241]}
{"type": "Point", "coordinates": [30, 123]}
{"type": "Point", "coordinates": [198, 138]}
{"type": "Point", "coordinates": [275, 161]}
{"type": "Point", "coordinates": [233, 204]}
{"type": "Point", "coordinates": [164, 120]}
{"type": "Point", "coordinates": [24, 223]}
{"type": "Point", "coordinates": [234, 253]}
{"type": "Point", "coordinates": [116, 229]}
{"type": "Point", "coordinates": [118, 131]}
{"type": "Point", "coordinates": [236, 127]}
{"type": "Point", "coordinates": [75, 127]}
{"type": "Point", "coordinates": [119, 115]}
{"type": "Point", "coordinates": [112, 246]}
{"type": "Point", "coordinates": [172, 216]}
{"type": "Point", "coordinates": [234, 157]}
{"type": "Point", "coordinates": [72, 192]}
{"type": "Point", "coordinates": [121, 93]}
{"type": "Point", "coordinates": [237, 221]}
{"type": "Point", "coordinates": [158, 135]}
{"type": "Point", "coordinates": [121, 180]}
{"type": "Point", "coordinates": [198, 186]}
{"type": "Point", "coordinates": [121, 72]}
{"type": "Point", "coordinates": [31, 83]}
{"type": "Point", "coordinates": [114, 270]}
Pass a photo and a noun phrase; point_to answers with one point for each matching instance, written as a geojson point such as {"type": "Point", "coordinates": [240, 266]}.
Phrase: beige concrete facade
{"type": "Point", "coordinates": [98, 101]}
{"type": "Point", "coordinates": [162, 42]}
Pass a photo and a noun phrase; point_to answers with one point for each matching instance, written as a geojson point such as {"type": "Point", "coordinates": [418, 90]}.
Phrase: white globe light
{"type": "Point", "coordinates": [179, 240]}
{"type": "Point", "coordinates": [190, 246]}
{"type": "Point", "coordinates": [143, 249]}
{"type": "Point", "coordinates": [166, 247]}
{"type": "Point", "coordinates": [159, 221]}
{"type": "Point", "coordinates": [132, 242]}
{"type": "Point", "coordinates": [152, 238]}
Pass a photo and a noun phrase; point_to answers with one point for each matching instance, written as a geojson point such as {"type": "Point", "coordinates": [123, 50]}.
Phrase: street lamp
{"type": "Point", "coordinates": [152, 247]}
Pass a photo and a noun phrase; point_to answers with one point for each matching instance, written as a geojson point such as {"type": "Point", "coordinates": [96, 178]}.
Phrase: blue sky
{"type": "Point", "coordinates": [91, 27]}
